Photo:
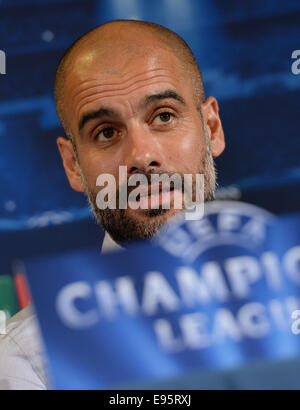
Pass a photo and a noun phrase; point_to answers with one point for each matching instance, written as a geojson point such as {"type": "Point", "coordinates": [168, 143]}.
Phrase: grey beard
{"type": "Point", "coordinates": [123, 229]}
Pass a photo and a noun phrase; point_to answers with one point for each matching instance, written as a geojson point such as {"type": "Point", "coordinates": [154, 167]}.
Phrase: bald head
{"type": "Point", "coordinates": [116, 41]}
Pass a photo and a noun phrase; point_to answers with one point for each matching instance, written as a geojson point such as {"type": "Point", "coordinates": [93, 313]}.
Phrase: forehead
{"type": "Point", "coordinates": [117, 55]}
{"type": "Point", "coordinates": [122, 71]}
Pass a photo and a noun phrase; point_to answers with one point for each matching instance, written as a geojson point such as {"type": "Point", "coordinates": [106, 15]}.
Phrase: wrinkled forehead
{"type": "Point", "coordinates": [120, 64]}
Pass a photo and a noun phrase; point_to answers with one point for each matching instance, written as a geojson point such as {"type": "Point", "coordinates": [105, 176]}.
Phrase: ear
{"type": "Point", "coordinates": [70, 164]}
{"type": "Point", "coordinates": [210, 110]}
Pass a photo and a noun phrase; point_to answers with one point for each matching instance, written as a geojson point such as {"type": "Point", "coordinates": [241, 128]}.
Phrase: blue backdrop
{"type": "Point", "coordinates": [244, 50]}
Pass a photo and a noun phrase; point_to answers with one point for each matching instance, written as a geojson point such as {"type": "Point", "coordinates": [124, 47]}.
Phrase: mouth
{"type": "Point", "coordinates": [154, 196]}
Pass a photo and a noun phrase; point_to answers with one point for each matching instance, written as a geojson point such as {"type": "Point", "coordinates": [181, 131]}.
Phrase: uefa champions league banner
{"type": "Point", "coordinates": [207, 295]}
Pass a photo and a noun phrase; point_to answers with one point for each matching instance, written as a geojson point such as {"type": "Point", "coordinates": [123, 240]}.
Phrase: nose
{"type": "Point", "coordinates": [144, 152]}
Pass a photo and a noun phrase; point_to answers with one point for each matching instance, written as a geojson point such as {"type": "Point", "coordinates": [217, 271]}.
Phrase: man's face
{"type": "Point", "coordinates": [140, 112]}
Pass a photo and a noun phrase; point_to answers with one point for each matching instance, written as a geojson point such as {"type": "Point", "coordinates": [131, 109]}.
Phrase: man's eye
{"type": "Point", "coordinates": [106, 134]}
{"type": "Point", "coordinates": [163, 118]}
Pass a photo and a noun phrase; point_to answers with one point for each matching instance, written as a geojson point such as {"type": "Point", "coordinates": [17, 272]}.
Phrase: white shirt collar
{"type": "Point", "coordinates": [109, 245]}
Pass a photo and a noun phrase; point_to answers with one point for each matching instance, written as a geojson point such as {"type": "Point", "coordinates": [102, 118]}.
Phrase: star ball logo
{"type": "Point", "coordinates": [226, 223]}
{"type": "Point", "coordinates": [2, 62]}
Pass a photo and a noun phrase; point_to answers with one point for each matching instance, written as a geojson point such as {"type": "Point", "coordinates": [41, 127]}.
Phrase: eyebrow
{"type": "Point", "coordinates": [148, 100]}
{"type": "Point", "coordinates": [101, 112]}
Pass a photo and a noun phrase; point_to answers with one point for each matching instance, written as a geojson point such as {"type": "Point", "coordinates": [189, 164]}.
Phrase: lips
{"type": "Point", "coordinates": [154, 189]}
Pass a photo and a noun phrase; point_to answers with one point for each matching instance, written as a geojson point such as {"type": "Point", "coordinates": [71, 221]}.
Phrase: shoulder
{"type": "Point", "coordinates": [22, 363]}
